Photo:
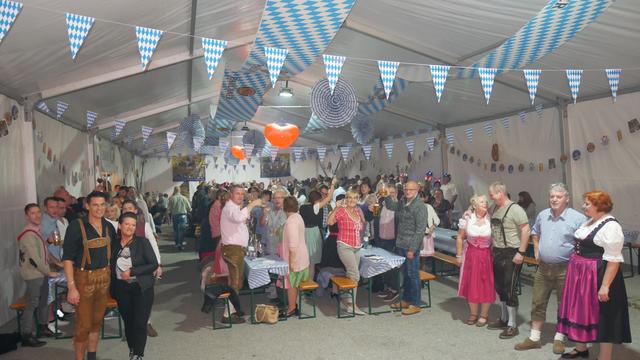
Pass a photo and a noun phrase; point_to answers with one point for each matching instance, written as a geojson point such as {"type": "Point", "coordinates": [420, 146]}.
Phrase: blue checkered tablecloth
{"type": "Point", "coordinates": [375, 261]}
{"type": "Point", "coordinates": [257, 269]}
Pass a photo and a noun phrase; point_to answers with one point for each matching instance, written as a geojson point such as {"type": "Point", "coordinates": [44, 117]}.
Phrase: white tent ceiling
{"type": "Point", "coordinates": [107, 77]}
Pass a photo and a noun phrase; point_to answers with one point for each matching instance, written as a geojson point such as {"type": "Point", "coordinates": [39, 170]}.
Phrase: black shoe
{"type": "Point", "coordinates": [44, 331]}
{"type": "Point", "coordinates": [240, 313]}
{"type": "Point", "coordinates": [234, 319]}
{"type": "Point", "coordinates": [509, 332]}
{"type": "Point", "coordinates": [497, 325]}
{"type": "Point", "coordinates": [28, 340]}
{"type": "Point", "coordinates": [574, 354]}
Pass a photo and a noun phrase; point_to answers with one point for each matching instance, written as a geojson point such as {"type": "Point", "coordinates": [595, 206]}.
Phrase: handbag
{"type": "Point", "coordinates": [267, 314]}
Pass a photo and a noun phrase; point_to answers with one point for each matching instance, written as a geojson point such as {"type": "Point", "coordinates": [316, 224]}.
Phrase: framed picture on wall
{"type": "Point", "coordinates": [188, 168]}
{"type": "Point", "coordinates": [280, 167]}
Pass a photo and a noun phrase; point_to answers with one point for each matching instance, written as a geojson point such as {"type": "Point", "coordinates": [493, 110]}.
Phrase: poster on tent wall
{"type": "Point", "coordinates": [280, 167]}
{"type": "Point", "coordinates": [188, 168]}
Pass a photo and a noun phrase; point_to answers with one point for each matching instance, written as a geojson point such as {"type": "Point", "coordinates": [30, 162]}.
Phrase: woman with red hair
{"type": "Point", "coordinates": [594, 304]}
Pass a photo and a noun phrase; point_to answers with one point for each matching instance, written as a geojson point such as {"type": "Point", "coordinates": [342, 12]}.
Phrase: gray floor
{"type": "Point", "coordinates": [438, 332]}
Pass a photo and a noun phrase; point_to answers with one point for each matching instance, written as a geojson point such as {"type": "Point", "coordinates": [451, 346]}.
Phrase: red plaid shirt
{"type": "Point", "coordinates": [349, 229]}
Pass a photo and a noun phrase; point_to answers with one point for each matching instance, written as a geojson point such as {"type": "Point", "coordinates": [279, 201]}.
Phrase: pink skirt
{"type": "Point", "coordinates": [476, 276]}
{"type": "Point", "coordinates": [579, 311]}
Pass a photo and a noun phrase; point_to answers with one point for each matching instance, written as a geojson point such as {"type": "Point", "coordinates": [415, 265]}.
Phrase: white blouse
{"type": "Point", "coordinates": [610, 237]}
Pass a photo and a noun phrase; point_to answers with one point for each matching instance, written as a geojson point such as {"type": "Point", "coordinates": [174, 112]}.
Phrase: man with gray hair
{"type": "Point", "coordinates": [553, 244]}
{"type": "Point", "coordinates": [510, 232]}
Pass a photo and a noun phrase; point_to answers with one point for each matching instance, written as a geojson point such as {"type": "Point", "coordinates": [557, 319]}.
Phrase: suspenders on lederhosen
{"type": "Point", "coordinates": [93, 244]}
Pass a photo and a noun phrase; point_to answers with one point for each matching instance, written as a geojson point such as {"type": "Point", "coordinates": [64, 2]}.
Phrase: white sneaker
{"type": "Point", "coordinates": [358, 311]}
{"type": "Point", "coordinates": [52, 327]}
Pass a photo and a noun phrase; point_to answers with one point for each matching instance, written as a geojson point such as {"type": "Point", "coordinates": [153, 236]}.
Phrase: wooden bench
{"type": "Point", "coordinates": [444, 258]}
{"type": "Point", "coordinates": [19, 307]}
{"type": "Point", "coordinates": [345, 286]}
{"type": "Point", "coordinates": [306, 288]}
{"type": "Point", "coordinates": [425, 279]}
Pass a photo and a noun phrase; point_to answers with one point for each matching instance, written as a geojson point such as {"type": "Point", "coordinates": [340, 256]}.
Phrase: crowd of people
{"type": "Point", "coordinates": [318, 227]}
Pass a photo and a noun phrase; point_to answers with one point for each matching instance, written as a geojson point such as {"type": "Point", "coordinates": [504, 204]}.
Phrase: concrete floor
{"type": "Point", "coordinates": [438, 332]}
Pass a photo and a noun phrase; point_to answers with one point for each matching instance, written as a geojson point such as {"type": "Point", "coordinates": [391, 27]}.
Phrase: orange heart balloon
{"type": "Point", "coordinates": [281, 135]}
{"type": "Point", "coordinates": [238, 152]}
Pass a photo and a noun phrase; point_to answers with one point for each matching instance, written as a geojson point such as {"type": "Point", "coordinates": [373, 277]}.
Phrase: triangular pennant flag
{"type": "Point", "coordinates": [488, 128]}
{"type": "Point", "coordinates": [213, 50]}
{"type": "Point", "coordinates": [469, 133]}
{"type": "Point", "coordinates": [388, 74]}
{"type": "Point", "coordinates": [450, 138]}
{"type": "Point", "coordinates": [439, 76]}
{"type": "Point", "coordinates": [523, 116]}
{"type": "Point", "coordinates": [574, 76]}
{"type": "Point", "coordinates": [248, 150]}
{"type": "Point", "coordinates": [333, 67]}
{"type": "Point", "coordinates": [198, 141]}
{"type": "Point", "coordinates": [42, 106]}
{"type": "Point", "coordinates": [266, 151]}
{"type": "Point", "coordinates": [91, 118]}
{"type": "Point", "coordinates": [297, 153]}
{"type": "Point", "coordinates": [274, 153]}
{"type": "Point", "coordinates": [223, 145]}
{"type": "Point", "coordinates": [9, 10]}
{"type": "Point", "coordinates": [505, 122]}
{"type": "Point", "coordinates": [410, 145]}
{"type": "Point", "coordinates": [487, 75]}
{"type": "Point", "coordinates": [613, 75]}
{"type": "Point", "coordinates": [171, 137]}
{"type": "Point", "coordinates": [146, 131]}
{"type": "Point", "coordinates": [345, 151]}
{"type": "Point", "coordinates": [275, 60]}
{"type": "Point", "coordinates": [62, 107]}
{"type": "Point", "coordinates": [322, 151]}
{"type": "Point", "coordinates": [119, 125]}
{"type": "Point", "coordinates": [539, 111]}
{"type": "Point", "coordinates": [78, 27]}
{"type": "Point", "coordinates": [532, 76]}
{"type": "Point", "coordinates": [431, 142]}
{"type": "Point", "coordinates": [388, 147]}
{"type": "Point", "coordinates": [366, 149]}
{"type": "Point", "coordinates": [147, 41]}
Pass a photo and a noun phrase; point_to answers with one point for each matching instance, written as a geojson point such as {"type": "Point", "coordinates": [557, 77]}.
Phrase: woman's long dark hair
{"type": "Point", "coordinates": [526, 199]}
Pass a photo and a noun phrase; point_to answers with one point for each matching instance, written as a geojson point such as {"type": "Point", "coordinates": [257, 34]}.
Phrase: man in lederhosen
{"type": "Point", "coordinates": [86, 257]}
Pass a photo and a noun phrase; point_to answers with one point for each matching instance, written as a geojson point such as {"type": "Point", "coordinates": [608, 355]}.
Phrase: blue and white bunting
{"type": "Point", "coordinates": [9, 10]}
{"type": "Point", "coordinates": [488, 128]}
{"type": "Point", "coordinates": [198, 141]}
{"type": "Point", "coordinates": [469, 133]}
{"type": "Point", "coordinates": [431, 141]}
{"type": "Point", "coordinates": [439, 76]}
{"type": "Point", "coordinates": [539, 111]}
{"type": "Point", "coordinates": [119, 126]}
{"type": "Point", "coordinates": [147, 41]}
{"type": "Point", "coordinates": [388, 148]}
{"type": "Point", "coordinates": [223, 145]}
{"type": "Point", "coordinates": [171, 137]}
{"type": "Point", "coordinates": [322, 151]}
{"type": "Point", "coordinates": [487, 75]}
{"type": "Point", "coordinates": [613, 75]}
{"type": "Point", "coordinates": [388, 74]}
{"type": "Point", "coordinates": [366, 149]}
{"type": "Point", "coordinates": [42, 106]}
{"type": "Point", "coordinates": [333, 68]}
{"type": "Point", "coordinates": [78, 27]}
{"type": "Point", "coordinates": [505, 122]}
{"type": "Point", "coordinates": [411, 144]}
{"type": "Point", "coordinates": [523, 116]}
{"type": "Point", "coordinates": [91, 118]}
{"type": "Point", "coordinates": [345, 151]}
{"type": "Point", "coordinates": [574, 76]}
{"type": "Point", "coordinates": [532, 77]}
{"type": "Point", "coordinates": [297, 153]}
{"type": "Point", "coordinates": [450, 137]}
{"type": "Point", "coordinates": [248, 150]}
{"type": "Point", "coordinates": [273, 153]}
{"type": "Point", "coordinates": [61, 108]}
{"type": "Point", "coordinates": [146, 131]}
{"type": "Point", "coordinates": [275, 60]}
{"type": "Point", "coordinates": [213, 50]}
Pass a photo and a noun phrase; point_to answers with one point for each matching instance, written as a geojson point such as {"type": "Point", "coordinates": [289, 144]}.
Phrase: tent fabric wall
{"type": "Point", "coordinates": [14, 194]}
{"type": "Point", "coordinates": [70, 147]}
{"type": "Point", "coordinates": [536, 140]}
{"type": "Point", "coordinates": [117, 161]}
{"type": "Point", "coordinates": [614, 167]}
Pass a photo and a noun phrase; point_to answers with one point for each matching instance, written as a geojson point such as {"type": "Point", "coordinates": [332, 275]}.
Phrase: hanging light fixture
{"type": "Point", "coordinates": [286, 91]}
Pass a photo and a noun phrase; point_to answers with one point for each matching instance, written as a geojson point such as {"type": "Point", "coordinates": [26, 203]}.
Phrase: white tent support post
{"type": "Point", "coordinates": [192, 39]}
{"type": "Point", "coordinates": [565, 145]}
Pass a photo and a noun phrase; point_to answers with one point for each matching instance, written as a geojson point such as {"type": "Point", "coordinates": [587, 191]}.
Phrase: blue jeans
{"type": "Point", "coordinates": [179, 225]}
{"type": "Point", "coordinates": [411, 281]}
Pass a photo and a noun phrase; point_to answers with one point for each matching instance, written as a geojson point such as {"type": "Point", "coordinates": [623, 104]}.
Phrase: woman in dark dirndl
{"type": "Point", "coordinates": [594, 306]}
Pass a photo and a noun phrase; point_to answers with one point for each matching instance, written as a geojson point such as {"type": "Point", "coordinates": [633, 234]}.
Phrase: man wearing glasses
{"type": "Point", "coordinates": [412, 222]}
{"type": "Point", "coordinates": [324, 191]}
